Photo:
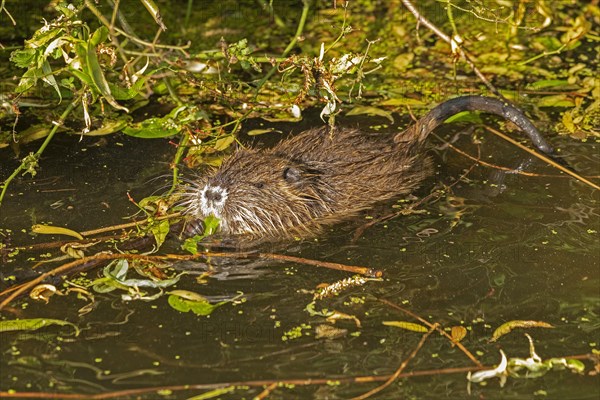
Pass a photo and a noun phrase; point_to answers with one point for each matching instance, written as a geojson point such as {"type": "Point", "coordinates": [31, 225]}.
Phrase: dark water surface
{"type": "Point", "coordinates": [491, 250]}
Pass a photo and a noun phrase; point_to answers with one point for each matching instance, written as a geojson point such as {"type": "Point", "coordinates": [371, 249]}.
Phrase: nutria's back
{"type": "Point", "coordinates": [323, 176]}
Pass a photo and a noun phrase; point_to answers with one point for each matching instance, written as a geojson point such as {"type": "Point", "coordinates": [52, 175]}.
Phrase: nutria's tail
{"type": "Point", "coordinates": [421, 129]}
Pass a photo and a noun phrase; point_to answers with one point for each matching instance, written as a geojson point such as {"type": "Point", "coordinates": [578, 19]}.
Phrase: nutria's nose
{"type": "Point", "coordinates": [213, 195]}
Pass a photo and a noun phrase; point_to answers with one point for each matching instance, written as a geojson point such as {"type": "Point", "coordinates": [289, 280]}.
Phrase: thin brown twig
{"type": "Point", "coordinates": [370, 272]}
{"type": "Point", "coordinates": [430, 325]}
{"type": "Point", "coordinates": [508, 169]}
{"type": "Point", "coordinates": [401, 368]}
{"type": "Point", "coordinates": [255, 383]}
{"type": "Point", "coordinates": [213, 386]}
{"type": "Point", "coordinates": [267, 391]}
{"type": "Point", "coordinates": [543, 158]}
{"type": "Point", "coordinates": [490, 165]}
{"type": "Point", "coordinates": [436, 193]}
{"type": "Point", "coordinates": [15, 291]}
{"type": "Point", "coordinates": [128, 225]}
{"type": "Point", "coordinates": [422, 20]}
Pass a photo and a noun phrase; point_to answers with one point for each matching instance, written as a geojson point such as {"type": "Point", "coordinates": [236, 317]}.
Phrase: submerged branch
{"type": "Point", "coordinates": [401, 368]}
{"type": "Point", "coordinates": [431, 326]}
{"type": "Point", "coordinates": [290, 46]}
{"type": "Point", "coordinates": [254, 384]}
{"type": "Point", "coordinates": [31, 160]}
{"type": "Point", "coordinates": [92, 261]}
{"type": "Point", "coordinates": [545, 158]}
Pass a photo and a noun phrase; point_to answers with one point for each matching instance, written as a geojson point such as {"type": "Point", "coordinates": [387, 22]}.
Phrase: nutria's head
{"type": "Point", "coordinates": [260, 193]}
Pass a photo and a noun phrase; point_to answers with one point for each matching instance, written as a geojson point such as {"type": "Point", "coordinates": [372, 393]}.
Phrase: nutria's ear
{"type": "Point", "coordinates": [292, 175]}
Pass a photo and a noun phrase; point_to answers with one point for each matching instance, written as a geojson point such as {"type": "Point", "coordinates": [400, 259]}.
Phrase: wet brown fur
{"type": "Point", "coordinates": [315, 179]}
{"type": "Point", "coordinates": [324, 176]}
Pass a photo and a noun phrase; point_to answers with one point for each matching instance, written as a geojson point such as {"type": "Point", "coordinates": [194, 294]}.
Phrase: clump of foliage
{"type": "Point", "coordinates": [92, 64]}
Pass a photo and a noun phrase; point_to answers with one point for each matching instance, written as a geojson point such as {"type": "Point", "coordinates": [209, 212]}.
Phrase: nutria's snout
{"type": "Point", "coordinates": [212, 200]}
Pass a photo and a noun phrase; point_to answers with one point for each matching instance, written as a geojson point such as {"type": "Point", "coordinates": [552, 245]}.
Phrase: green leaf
{"type": "Point", "coordinates": [42, 37]}
{"type": "Point", "coordinates": [103, 285]}
{"type": "Point", "coordinates": [551, 43]}
{"type": "Point", "coordinates": [359, 110]}
{"type": "Point", "coordinates": [80, 48]}
{"type": "Point", "coordinates": [169, 125]}
{"type": "Point", "coordinates": [567, 120]}
{"type": "Point", "coordinates": [224, 142]}
{"type": "Point", "coordinates": [23, 58]}
{"type": "Point", "coordinates": [119, 274]}
{"type": "Point", "coordinates": [465, 116]}
{"type": "Point", "coordinates": [115, 277]}
{"type": "Point", "coordinates": [402, 101]}
{"type": "Point", "coordinates": [29, 79]}
{"type": "Point", "coordinates": [189, 295]}
{"type": "Point", "coordinates": [99, 36]}
{"type": "Point", "coordinates": [83, 77]}
{"type": "Point", "coordinates": [547, 83]}
{"type": "Point", "coordinates": [49, 78]}
{"type": "Point", "coordinates": [574, 365]}
{"type": "Point", "coordinates": [153, 128]}
{"type": "Point", "coordinates": [55, 230]}
{"type": "Point", "coordinates": [121, 93]}
{"type": "Point", "coordinates": [199, 305]}
{"type": "Point", "coordinates": [33, 324]}
{"type": "Point", "coordinates": [160, 231]}
{"type": "Point", "coordinates": [190, 245]}
{"type": "Point", "coordinates": [256, 132]}
{"type": "Point", "coordinates": [213, 393]}
{"type": "Point", "coordinates": [559, 100]}
{"type": "Point", "coordinates": [211, 225]}
{"type": "Point", "coordinates": [110, 126]}
{"type": "Point", "coordinates": [94, 70]}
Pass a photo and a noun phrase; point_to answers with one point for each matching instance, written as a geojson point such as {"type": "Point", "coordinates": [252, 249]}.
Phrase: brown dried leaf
{"type": "Point", "coordinates": [458, 333]}
{"type": "Point", "coordinates": [336, 315]}
{"type": "Point", "coordinates": [43, 292]}
{"type": "Point", "coordinates": [506, 327]}
{"type": "Point", "coordinates": [329, 332]}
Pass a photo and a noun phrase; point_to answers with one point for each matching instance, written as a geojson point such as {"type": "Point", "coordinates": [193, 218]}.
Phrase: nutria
{"type": "Point", "coordinates": [323, 176]}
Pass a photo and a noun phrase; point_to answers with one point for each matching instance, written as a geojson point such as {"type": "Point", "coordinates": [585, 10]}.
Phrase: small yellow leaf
{"type": "Point", "coordinates": [402, 101]}
{"type": "Point", "coordinates": [506, 327]}
{"type": "Point", "coordinates": [409, 326]}
{"type": "Point", "coordinates": [188, 295]}
{"type": "Point", "coordinates": [567, 120]}
{"type": "Point", "coordinates": [403, 61]}
{"type": "Point", "coordinates": [224, 142]}
{"type": "Point", "coordinates": [359, 110]}
{"type": "Point", "coordinates": [256, 132]}
{"type": "Point", "coordinates": [458, 333]}
{"type": "Point", "coordinates": [55, 230]}
{"type": "Point", "coordinates": [559, 100]}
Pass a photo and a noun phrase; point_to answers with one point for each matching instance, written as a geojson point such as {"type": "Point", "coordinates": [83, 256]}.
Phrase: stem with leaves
{"type": "Point", "coordinates": [290, 46]}
{"type": "Point", "coordinates": [422, 20]}
{"type": "Point", "coordinates": [33, 158]}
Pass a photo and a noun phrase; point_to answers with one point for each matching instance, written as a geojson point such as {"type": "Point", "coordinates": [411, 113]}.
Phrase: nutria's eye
{"type": "Point", "coordinates": [292, 175]}
{"type": "Point", "coordinates": [258, 185]}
